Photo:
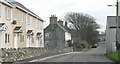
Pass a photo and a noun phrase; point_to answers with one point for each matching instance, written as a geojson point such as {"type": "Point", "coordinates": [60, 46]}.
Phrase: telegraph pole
{"type": "Point", "coordinates": [117, 25]}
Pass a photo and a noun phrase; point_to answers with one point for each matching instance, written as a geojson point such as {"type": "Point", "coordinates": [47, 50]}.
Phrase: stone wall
{"type": "Point", "coordinates": [10, 55]}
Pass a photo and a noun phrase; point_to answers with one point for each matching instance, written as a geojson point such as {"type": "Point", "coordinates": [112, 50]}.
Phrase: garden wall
{"type": "Point", "coordinates": [10, 55]}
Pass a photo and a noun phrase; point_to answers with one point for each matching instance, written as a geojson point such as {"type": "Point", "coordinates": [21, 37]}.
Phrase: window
{"type": "Point", "coordinates": [40, 24]}
{"type": "Point", "coordinates": [46, 35]}
{"type": "Point", "coordinates": [8, 13]}
{"type": "Point", "coordinates": [46, 42]}
{"type": "Point", "coordinates": [7, 38]}
{"type": "Point", "coordinates": [22, 18]}
{"type": "Point", "coordinates": [0, 10]}
{"type": "Point", "coordinates": [28, 20]}
{"type": "Point", "coordinates": [21, 38]}
{"type": "Point", "coordinates": [32, 21]}
{"type": "Point", "coordinates": [15, 15]}
{"type": "Point", "coordinates": [40, 41]}
{"type": "Point", "coordinates": [37, 23]}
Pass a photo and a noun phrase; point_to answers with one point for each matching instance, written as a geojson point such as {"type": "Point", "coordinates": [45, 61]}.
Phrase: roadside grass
{"type": "Point", "coordinates": [115, 56]}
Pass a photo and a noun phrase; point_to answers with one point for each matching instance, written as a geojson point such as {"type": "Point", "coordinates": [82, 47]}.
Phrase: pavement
{"type": "Point", "coordinates": [93, 56]}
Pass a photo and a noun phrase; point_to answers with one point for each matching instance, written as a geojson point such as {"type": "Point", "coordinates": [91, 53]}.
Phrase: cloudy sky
{"type": "Point", "coordinates": [96, 8]}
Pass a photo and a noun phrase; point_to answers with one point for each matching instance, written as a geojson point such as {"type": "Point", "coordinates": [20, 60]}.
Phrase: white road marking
{"type": "Point", "coordinates": [53, 56]}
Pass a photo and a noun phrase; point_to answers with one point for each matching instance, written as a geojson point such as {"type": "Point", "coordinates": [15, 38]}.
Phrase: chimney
{"type": "Point", "coordinates": [60, 22]}
{"type": "Point", "coordinates": [65, 23]}
{"type": "Point", "coordinates": [53, 19]}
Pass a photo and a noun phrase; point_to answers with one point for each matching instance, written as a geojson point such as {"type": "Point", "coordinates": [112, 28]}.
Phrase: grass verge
{"type": "Point", "coordinates": [115, 56]}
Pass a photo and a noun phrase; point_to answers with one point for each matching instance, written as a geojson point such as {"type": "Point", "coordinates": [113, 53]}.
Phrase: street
{"type": "Point", "coordinates": [92, 55]}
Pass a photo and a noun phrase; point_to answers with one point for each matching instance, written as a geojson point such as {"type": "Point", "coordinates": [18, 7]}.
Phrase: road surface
{"type": "Point", "coordinates": [92, 55]}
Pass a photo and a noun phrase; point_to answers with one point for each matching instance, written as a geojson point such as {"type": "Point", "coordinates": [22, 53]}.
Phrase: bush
{"type": "Point", "coordinates": [84, 44]}
{"type": "Point", "coordinates": [118, 46]}
{"type": "Point", "coordinates": [70, 43]}
{"type": "Point", "coordinates": [77, 46]}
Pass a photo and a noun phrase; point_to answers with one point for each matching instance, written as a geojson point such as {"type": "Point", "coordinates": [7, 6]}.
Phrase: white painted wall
{"type": "Point", "coordinates": [111, 34]}
{"type": "Point", "coordinates": [112, 39]}
{"type": "Point", "coordinates": [67, 37]}
{"type": "Point", "coordinates": [0, 38]}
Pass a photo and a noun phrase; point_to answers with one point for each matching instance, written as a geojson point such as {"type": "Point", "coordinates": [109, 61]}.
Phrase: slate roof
{"type": "Point", "coordinates": [39, 33]}
{"type": "Point", "coordinates": [6, 3]}
{"type": "Point", "coordinates": [62, 27]}
{"type": "Point", "coordinates": [13, 3]}
{"type": "Point", "coordinates": [17, 28]}
{"type": "Point", "coordinates": [50, 27]}
{"type": "Point", "coordinates": [29, 31]}
{"type": "Point", "coordinates": [1, 24]}
{"type": "Point", "coordinates": [111, 21]}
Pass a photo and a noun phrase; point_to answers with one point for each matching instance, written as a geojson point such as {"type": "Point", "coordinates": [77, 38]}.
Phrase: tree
{"type": "Point", "coordinates": [84, 25]}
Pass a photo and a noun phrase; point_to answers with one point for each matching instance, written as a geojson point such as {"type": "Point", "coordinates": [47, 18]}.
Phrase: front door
{"type": "Point", "coordinates": [28, 41]}
{"type": "Point", "coordinates": [37, 40]}
{"type": "Point", "coordinates": [0, 40]}
{"type": "Point", "coordinates": [15, 41]}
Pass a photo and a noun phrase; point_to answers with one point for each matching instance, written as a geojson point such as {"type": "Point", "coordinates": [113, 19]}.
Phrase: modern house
{"type": "Point", "coordinates": [56, 35]}
{"type": "Point", "coordinates": [111, 33]}
{"type": "Point", "coordinates": [19, 27]}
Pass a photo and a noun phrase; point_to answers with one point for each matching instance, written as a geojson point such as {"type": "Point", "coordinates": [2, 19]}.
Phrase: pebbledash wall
{"type": "Point", "coordinates": [19, 27]}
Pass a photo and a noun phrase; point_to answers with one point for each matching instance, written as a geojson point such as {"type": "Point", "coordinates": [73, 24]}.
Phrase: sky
{"type": "Point", "coordinates": [96, 8]}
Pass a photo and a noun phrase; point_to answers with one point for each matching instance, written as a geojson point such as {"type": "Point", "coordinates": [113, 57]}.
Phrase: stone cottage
{"type": "Point", "coordinates": [56, 35]}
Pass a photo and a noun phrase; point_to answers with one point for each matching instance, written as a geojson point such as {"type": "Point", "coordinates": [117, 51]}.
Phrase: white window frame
{"type": "Point", "coordinates": [41, 44]}
{"type": "Point", "coordinates": [33, 22]}
{"type": "Point", "coordinates": [0, 11]}
{"type": "Point", "coordinates": [15, 15]}
{"type": "Point", "coordinates": [8, 13]}
{"type": "Point", "coordinates": [22, 17]}
{"type": "Point", "coordinates": [37, 23]}
{"type": "Point", "coordinates": [28, 19]}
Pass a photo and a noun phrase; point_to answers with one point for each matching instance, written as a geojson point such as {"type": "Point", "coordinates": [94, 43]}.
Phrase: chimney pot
{"type": "Point", "coordinates": [60, 22]}
{"type": "Point", "coordinates": [53, 19]}
{"type": "Point", "coordinates": [66, 23]}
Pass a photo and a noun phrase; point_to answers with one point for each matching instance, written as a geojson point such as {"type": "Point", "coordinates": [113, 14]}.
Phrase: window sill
{"type": "Point", "coordinates": [28, 24]}
{"type": "Point", "coordinates": [22, 21]}
{"type": "Point", "coordinates": [22, 42]}
{"type": "Point", "coordinates": [7, 43]}
{"type": "Point", "coordinates": [8, 19]}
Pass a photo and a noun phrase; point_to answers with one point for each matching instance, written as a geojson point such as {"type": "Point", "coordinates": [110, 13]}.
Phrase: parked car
{"type": "Point", "coordinates": [94, 46]}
